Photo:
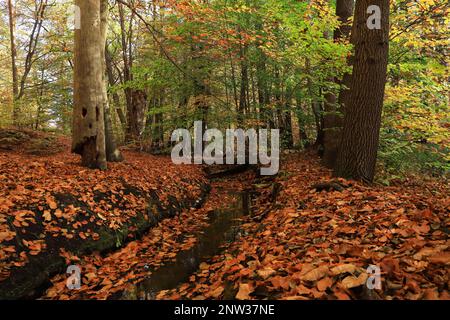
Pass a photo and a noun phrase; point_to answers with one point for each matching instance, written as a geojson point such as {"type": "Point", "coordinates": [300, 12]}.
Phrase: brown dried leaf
{"type": "Point", "coordinates": [244, 291]}
{"type": "Point", "coordinates": [353, 282]}
{"type": "Point", "coordinates": [344, 268]}
{"type": "Point", "coordinates": [315, 274]}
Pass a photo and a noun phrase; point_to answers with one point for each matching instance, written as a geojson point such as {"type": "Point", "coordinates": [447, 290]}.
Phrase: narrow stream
{"type": "Point", "coordinates": [223, 228]}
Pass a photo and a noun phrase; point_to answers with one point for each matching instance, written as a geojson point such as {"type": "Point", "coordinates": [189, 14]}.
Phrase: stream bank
{"type": "Point", "coordinates": [53, 211]}
{"type": "Point", "coordinates": [223, 228]}
{"type": "Point", "coordinates": [176, 246]}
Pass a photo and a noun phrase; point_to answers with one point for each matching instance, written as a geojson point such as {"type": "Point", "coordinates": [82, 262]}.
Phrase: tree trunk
{"type": "Point", "coordinates": [136, 99]}
{"type": "Point", "coordinates": [113, 153]}
{"type": "Point", "coordinates": [287, 122]}
{"type": "Point", "coordinates": [360, 136]}
{"type": "Point", "coordinates": [316, 108]}
{"type": "Point", "coordinates": [15, 78]}
{"type": "Point", "coordinates": [136, 114]}
{"type": "Point", "coordinates": [333, 117]}
{"type": "Point", "coordinates": [244, 84]}
{"type": "Point", "coordinates": [301, 120]}
{"type": "Point", "coordinates": [88, 135]}
{"type": "Point", "coordinates": [115, 96]}
{"type": "Point", "coordinates": [263, 95]}
{"type": "Point", "coordinates": [130, 132]}
{"type": "Point", "coordinates": [40, 95]}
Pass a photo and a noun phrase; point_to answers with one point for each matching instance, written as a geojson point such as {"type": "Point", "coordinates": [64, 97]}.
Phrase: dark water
{"type": "Point", "coordinates": [223, 228]}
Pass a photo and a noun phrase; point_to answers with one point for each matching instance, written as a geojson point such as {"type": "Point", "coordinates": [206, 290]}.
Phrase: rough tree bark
{"type": "Point", "coordinates": [333, 117]}
{"type": "Point", "coordinates": [136, 99]}
{"type": "Point", "coordinates": [136, 115]}
{"type": "Point", "coordinates": [360, 136]}
{"type": "Point", "coordinates": [126, 64]}
{"type": "Point", "coordinates": [88, 133]}
{"type": "Point", "coordinates": [115, 96]}
{"type": "Point", "coordinates": [113, 153]}
{"type": "Point", "coordinates": [344, 10]}
{"type": "Point", "coordinates": [241, 112]}
{"type": "Point", "coordinates": [15, 79]}
{"type": "Point", "coordinates": [288, 125]}
{"type": "Point", "coordinates": [262, 87]}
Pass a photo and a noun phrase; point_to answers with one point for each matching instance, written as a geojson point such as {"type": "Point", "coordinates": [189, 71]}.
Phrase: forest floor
{"type": "Point", "coordinates": [307, 236]}
{"type": "Point", "coordinates": [315, 244]}
{"type": "Point", "coordinates": [52, 209]}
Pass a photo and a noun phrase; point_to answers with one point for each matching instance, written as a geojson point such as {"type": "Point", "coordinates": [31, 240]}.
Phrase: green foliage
{"type": "Point", "coordinates": [247, 63]}
{"type": "Point", "coordinates": [400, 156]}
{"type": "Point", "coordinates": [415, 135]}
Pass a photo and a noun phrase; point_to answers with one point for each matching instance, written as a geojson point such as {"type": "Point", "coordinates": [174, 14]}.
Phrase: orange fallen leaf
{"type": "Point", "coordinates": [7, 235]}
{"type": "Point", "coordinates": [217, 292]}
{"type": "Point", "coordinates": [266, 272]}
{"type": "Point", "coordinates": [440, 258]}
{"type": "Point", "coordinates": [51, 203]}
{"type": "Point", "coordinates": [353, 282]}
{"type": "Point", "coordinates": [315, 274]}
{"type": "Point", "coordinates": [47, 216]}
{"type": "Point", "coordinates": [344, 268]}
{"type": "Point", "coordinates": [58, 213]}
{"type": "Point", "coordinates": [244, 292]}
{"type": "Point", "coordinates": [295, 298]}
{"type": "Point", "coordinates": [342, 295]}
{"type": "Point", "coordinates": [324, 284]}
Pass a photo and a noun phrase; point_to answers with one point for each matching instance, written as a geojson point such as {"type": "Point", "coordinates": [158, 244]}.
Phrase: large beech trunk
{"type": "Point", "coordinates": [360, 136]}
{"type": "Point", "coordinates": [88, 135]}
{"type": "Point", "coordinates": [333, 117]}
